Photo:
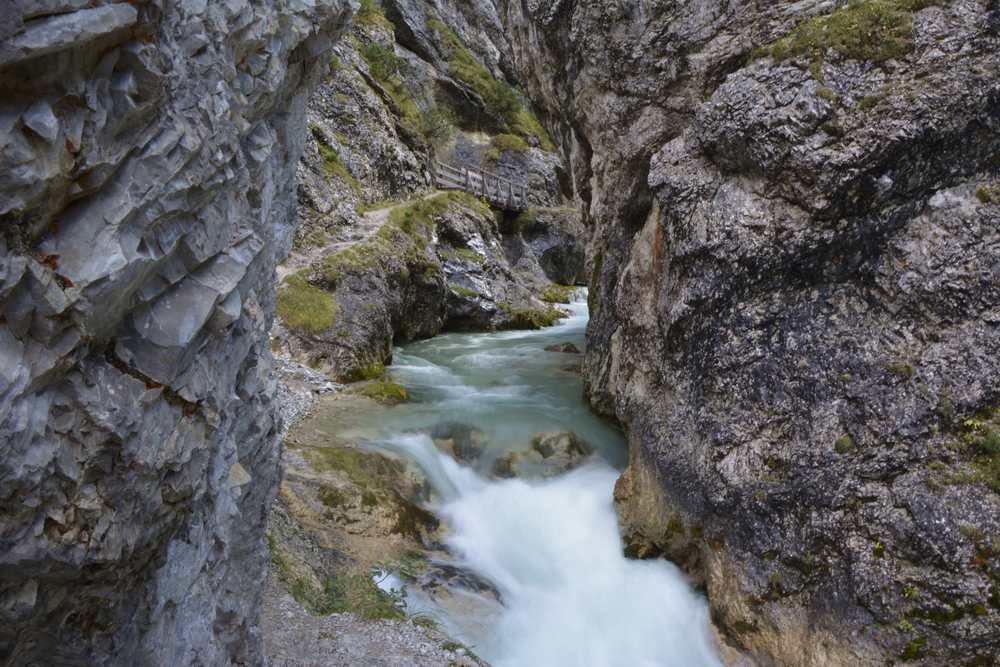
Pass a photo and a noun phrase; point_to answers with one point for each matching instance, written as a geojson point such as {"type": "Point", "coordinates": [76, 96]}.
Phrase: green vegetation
{"type": "Point", "coordinates": [870, 102]}
{"type": "Point", "coordinates": [555, 293]}
{"type": "Point", "coordinates": [982, 441]}
{"type": "Point", "coordinates": [531, 318]}
{"type": "Point", "coordinates": [498, 96]}
{"type": "Point", "coordinates": [826, 93]}
{"type": "Point", "coordinates": [900, 368]}
{"type": "Point", "coordinates": [465, 254]}
{"type": "Point", "coordinates": [385, 391]}
{"type": "Point", "coordinates": [876, 30]}
{"type": "Point", "coordinates": [843, 444]}
{"type": "Point", "coordinates": [332, 163]}
{"type": "Point", "coordinates": [464, 292]}
{"type": "Point", "coordinates": [332, 497]}
{"type": "Point", "coordinates": [356, 591]}
{"type": "Point", "coordinates": [305, 308]}
{"type": "Point", "coordinates": [373, 371]}
{"type": "Point", "coordinates": [434, 126]}
{"type": "Point", "coordinates": [397, 248]}
{"type": "Point", "coordinates": [915, 648]}
{"type": "Point", "coordinates": [988, 193]}
{"type": "Point", "coordinates": [365, 469]}
{"type": "Point", "coordinates": [510, 142]}
{"type": "Point", "coordinates": [370, 14]}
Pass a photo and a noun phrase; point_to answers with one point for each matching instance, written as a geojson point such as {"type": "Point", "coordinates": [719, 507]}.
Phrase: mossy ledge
{"type": "Point", "coordinates": [305, 308]}
{"type": "Point", "coordinates": [873, 30]}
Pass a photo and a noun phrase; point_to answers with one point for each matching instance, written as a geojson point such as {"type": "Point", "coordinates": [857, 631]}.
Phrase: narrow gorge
{"type": "Point", "coordinates": [722, 389]}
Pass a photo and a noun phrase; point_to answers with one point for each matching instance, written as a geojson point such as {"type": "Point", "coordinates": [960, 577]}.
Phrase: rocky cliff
{"type": "Point", "coordinates": [379, 258]}
{"type": "Point", "coordinates": [147, 161]}
{"type": "Point", "coordinates": [794, 220]}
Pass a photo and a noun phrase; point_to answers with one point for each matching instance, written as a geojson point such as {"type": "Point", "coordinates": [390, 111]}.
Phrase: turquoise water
{"type": "Point", "coordinates": [551, 549]}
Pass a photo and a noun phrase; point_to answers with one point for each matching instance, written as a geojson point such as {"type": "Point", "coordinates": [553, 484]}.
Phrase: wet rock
{"type": "Point", "coordinates": [551, 454]}
{"type": "Point", "coordinates": [463, 442]}
{"type": "Point", "coordinates": [563, 446]}
{"type": "Point", "coordinates": [568, 348]}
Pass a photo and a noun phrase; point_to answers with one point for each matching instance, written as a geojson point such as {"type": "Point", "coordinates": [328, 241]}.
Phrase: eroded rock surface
{"type": "Point", "coordinates": [147, 158]}
{"type": "Point", "coordinates": [794, 305]}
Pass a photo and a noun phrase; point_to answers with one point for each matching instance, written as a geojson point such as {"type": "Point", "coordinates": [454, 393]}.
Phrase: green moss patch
{"type": "Point", "coordinates": [385, 391]}
{"type": "Point", "coordinates": [988, 193]}
{"type": "Point", "coordinates": [531, 318]}
{"type": "Point", "coordinates": [558, 293]}
{"type": "Point", "coordinates": [370, 14]}
{"type": "Point", "coordinates": [499, 96]}
{"type": "Point", "coordinates": [875, 30]}
{"type": "Point", "coordinates": [305, 308]}
{"type": "Point", "coordinates": [464, 292]}
{"type": "Point", "coordinates": [365, 469]}
{"type": "Point", "coordinates": [510, 142]}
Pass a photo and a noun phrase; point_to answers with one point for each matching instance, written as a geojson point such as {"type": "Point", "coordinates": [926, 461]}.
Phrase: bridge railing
{"type": "Point", "coordinates": [497, 190]}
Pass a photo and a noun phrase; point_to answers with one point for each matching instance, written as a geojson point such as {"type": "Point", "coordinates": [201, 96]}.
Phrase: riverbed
{"type": "Point", "coordinates": [561, 592]}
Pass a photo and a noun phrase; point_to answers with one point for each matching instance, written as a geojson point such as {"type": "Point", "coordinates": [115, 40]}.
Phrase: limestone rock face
{"type": "Point", "coordinates": [147, 160]}
{"type": "Point", "coordinates": [794, 306]}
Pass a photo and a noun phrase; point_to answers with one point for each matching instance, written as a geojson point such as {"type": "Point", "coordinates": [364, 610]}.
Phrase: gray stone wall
{"type": "Point", "coordinates": [147, 161]}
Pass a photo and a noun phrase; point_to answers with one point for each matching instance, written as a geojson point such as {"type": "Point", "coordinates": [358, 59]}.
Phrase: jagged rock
{"type": "Point", "coordinates": [147, 157]}
{"type": "Point", "coordinates": [567, 348]}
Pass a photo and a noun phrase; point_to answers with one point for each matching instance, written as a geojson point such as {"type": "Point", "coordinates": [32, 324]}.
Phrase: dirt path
{"type": "Point", "coordinates": [369, 223]}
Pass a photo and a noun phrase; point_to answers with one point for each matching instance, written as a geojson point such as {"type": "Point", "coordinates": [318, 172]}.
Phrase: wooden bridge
{"type": "Point", "coordinates": [498, 191]}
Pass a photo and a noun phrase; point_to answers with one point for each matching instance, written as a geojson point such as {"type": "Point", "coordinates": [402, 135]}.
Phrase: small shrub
{"type": "Point", "coordinates": [900, 368]}
{"type": "Point", "coordinates": [305, 308]}
{"type": "Point", "coordinates": [988, 194]}
{"type": "Point", "coordinates": [383, 63]}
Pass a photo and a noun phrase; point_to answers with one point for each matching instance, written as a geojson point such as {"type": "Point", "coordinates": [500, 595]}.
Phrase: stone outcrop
{"type": "Point", "coordinates": [147, 160]}
{"type": "Point", "coordinates": [794, 304]}
{"type": "Point", "coordinates": [434, 265]}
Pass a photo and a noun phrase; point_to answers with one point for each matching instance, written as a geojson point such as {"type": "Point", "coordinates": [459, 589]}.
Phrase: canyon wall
{"type": "Point", "coordinates": [147, 187]}
{"type": "Point", "coordinates": [794, 216]}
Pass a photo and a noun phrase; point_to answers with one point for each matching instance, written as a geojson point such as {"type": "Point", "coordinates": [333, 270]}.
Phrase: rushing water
{"type": "Point", "coordinates": [551, 548]}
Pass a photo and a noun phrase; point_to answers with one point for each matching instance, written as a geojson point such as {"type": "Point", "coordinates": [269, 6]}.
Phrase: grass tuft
{"type": "Point", "coordinates": [873, 30]}
{"type": "Point", "coordinates": [304, 308]}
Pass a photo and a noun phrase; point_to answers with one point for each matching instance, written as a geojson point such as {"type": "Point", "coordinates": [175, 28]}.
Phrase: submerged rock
{"type": "Point", "coordinates": [462, 442]}
{"type": "Point", "coordinates": [551, 454]}
{"type": "Point", "coordinates": [568, 348]}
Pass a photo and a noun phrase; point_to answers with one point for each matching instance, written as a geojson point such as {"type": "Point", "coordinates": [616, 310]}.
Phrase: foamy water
{"type": "Point", "coordinates": [551, 548]}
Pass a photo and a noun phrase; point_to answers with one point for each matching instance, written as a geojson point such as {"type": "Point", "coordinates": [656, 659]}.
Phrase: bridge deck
{"type": "Point", "coordinates": [498, 191]}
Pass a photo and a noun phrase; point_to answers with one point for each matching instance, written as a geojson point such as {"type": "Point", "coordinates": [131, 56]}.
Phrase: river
{"type": "Point", "coordinates": [551, 547]}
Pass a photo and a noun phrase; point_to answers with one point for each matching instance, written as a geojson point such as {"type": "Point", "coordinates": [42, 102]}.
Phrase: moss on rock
{"type": "Point", "coordinates": [305, 308]}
